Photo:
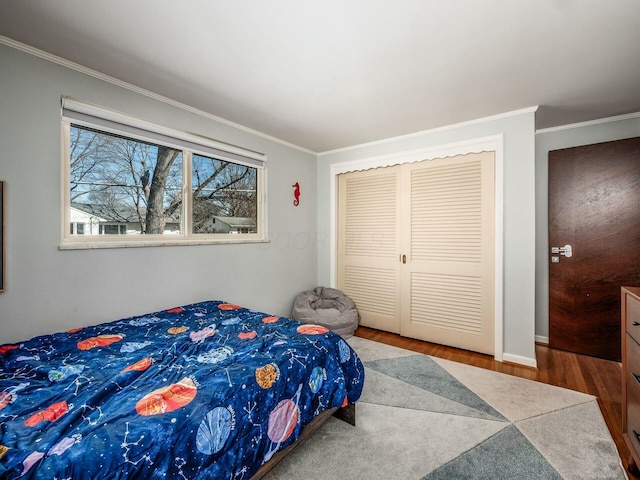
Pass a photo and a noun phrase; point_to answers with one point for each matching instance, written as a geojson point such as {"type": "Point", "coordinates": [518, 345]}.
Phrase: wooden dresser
{"type": "Point", "coordinates": [631, 374]}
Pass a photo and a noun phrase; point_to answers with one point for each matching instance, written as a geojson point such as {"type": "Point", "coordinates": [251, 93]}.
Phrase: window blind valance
{"type": "Point", "coordinates": [89, 115]}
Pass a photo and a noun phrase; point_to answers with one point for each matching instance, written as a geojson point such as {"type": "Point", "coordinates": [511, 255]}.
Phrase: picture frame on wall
{"type": "Point", "coordinates": [2, 236]}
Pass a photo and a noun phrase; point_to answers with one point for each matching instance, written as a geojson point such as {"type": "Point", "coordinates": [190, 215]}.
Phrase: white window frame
{"type": "Point", "coordinates": [92, 116]}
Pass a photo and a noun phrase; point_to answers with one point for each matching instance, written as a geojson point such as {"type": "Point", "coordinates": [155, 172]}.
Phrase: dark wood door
{"type": "Point", "coordinates": [594, 206]}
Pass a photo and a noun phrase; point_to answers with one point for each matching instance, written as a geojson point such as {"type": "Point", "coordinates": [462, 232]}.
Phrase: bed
{"type": "Point", "coordinates": [208, 390]}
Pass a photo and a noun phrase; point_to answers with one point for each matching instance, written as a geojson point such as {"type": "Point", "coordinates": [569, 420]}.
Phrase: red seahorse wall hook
{"type": "Point", "coordinates": [296, 194]}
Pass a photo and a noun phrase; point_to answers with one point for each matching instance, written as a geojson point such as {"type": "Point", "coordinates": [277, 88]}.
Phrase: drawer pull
{"type": "Point", "coordinates": [636, 376]}
{"type": "Point", "coordinates": [637, 435]}
{"type": "Point", "coordinates": [635, 324]}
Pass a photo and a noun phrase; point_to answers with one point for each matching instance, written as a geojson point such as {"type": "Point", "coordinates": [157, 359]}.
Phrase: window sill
{"type": "Point", "coordinates": [172, 243]}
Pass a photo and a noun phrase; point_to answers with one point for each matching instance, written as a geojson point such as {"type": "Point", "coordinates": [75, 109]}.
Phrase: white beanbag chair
{"type": "Point", "coordinates": [327, 307]}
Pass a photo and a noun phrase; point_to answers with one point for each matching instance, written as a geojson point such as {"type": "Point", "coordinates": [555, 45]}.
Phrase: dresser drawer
{"type": "Point", "coordinates": [632, 360]}
{"type": "Point", "coordinates": [632, 427]}
{"type": "Point", "coordinates": [633, 317]}
{"type": "Point", "coordinates": [633, 393]}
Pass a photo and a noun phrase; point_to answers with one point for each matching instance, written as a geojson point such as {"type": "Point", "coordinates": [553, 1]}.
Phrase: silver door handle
{"type": "Point", "coordinates": [567, 251]}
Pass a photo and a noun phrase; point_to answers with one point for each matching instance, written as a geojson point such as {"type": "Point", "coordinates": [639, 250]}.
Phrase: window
{"type": "Point", "coordinates": [112, 229]}
{"type": "Point", "coordinates": [77, 228]}
{"type": "Point", "coordinates": [223, 189]}
{"type": "Point", "coordinates": [129, 182]}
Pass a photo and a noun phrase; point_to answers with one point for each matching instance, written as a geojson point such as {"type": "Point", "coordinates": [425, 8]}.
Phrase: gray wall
{"type": "Point", "coordinates": [50, 290]}
{"type": "Point", "coordinates": [554, 139]}
{"type": "Point", "coordinates": [518, 132]}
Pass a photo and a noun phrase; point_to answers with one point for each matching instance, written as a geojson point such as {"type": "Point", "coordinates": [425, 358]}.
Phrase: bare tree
{"type": "Point", "coordinates": [222, 188]}
{"type": "Point", "coordinates": [84, 148]}
{"type": "Point", "coordinates": [156, 215]}
{"type": "Point", "coordinates": [134, 179]}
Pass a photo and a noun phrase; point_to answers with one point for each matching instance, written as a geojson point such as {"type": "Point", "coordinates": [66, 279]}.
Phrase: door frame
{"type": "Point", "coordinates": [492, 143]}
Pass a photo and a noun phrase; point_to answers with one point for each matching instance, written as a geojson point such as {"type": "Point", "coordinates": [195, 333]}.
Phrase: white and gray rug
{"type": "Point", "coordinates": [426, 418]}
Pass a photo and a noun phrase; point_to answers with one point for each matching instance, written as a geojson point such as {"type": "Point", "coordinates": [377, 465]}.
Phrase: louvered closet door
{"type": "Point", "coordinates": [368, 242]}
{"type": "Point", "coordinates": [448, 240]}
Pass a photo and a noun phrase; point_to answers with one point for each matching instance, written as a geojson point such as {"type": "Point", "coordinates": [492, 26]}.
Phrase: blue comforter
{"type": "Point", "coordinates": [209, 390]}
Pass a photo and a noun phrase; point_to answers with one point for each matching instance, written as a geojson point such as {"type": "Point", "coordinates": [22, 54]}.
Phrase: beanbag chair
{"type": "Point", "coordinates": [328, 307]}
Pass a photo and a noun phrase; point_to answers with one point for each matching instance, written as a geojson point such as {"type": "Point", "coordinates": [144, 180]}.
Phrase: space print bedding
{"type": "Point", "coordinates": [208, 390]}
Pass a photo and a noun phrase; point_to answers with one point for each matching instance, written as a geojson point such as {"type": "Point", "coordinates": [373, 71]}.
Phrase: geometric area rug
{"type": "Point", "coordinates": [427, 418]}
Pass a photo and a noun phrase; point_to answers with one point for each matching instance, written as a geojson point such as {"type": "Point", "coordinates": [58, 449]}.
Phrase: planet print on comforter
{"type": "Point", "coordinates": [208, 390]}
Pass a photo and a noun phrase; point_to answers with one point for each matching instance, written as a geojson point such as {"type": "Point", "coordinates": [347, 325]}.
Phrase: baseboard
{"type": "Point", "coordinates": [541, 339]}
{"type": "Point", "coordinates": [520, 360]}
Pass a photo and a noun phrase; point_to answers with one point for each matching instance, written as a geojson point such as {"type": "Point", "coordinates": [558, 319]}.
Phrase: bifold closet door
{"type": "Point", "coordinates": [416, 249]}
{"type": "Point", "coordinates": [368, 242]}
{"type": "Point", "coordinates": [447, 293]}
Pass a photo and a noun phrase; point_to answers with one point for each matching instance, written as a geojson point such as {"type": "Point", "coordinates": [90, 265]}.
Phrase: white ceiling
{"type": "Point", "coordinates": [334, 73]}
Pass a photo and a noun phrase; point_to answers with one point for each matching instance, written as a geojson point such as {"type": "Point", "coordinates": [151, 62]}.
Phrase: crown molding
{"type": "Point", "coordinates": [600, 121]}
{"type": "Point", "coordinates": [432, 131]}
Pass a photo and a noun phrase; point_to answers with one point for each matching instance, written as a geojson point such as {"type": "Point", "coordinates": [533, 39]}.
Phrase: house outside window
{"type": "Point", "coordinates": [133, 183]}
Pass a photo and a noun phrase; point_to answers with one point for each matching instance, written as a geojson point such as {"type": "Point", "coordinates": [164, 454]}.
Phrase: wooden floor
{"type": "Point", "coordinates": [595, 376]}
